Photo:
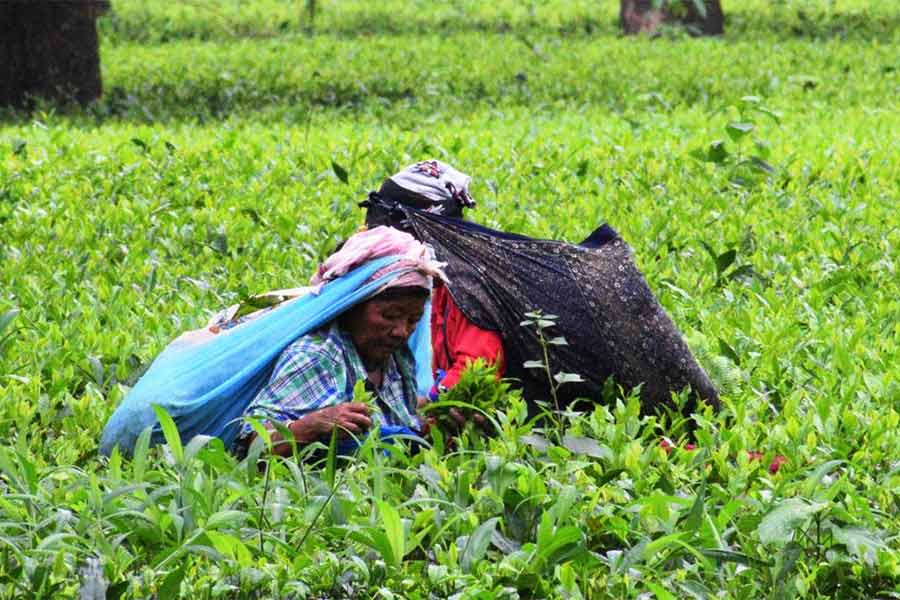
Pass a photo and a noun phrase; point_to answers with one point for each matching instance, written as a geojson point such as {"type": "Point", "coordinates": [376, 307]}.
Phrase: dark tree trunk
{"type": "Point", "coordinates": [639, 16]}
{"type": "Point", "coordinates": [49, 49]}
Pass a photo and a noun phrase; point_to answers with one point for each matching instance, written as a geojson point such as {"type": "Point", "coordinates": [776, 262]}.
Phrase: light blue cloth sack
{"type": "Point", "coordinates": [206, 383]}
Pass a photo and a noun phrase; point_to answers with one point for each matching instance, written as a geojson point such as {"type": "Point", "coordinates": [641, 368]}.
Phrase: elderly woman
{"type": "Point", "coordinates": [311, 387]}
{"type": "Point", "coordinates": [438, 188]}
{"type": "Point", "coordinates": [299, 361]}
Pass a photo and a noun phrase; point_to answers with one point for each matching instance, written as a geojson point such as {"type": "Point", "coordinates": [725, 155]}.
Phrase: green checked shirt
{"type": "Point", "coordinates": [320, 369]}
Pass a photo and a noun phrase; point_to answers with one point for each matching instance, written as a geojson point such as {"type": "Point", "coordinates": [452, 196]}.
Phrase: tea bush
{"type": "Point", "coordinates": [756, 177]}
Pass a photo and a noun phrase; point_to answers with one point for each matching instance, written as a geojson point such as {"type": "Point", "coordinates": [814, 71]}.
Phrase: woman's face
{"type": "Point", "coordinates": [379, 327]}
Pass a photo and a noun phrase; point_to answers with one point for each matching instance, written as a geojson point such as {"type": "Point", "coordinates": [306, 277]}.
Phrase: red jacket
{"type": "Point", "coordinates": [456, 341]}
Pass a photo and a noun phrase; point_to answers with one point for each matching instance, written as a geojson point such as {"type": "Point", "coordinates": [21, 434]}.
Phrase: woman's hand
{"type": "Point", "coordinates": [456, 417]}
{"type": "Point", "coordinates": [476, 417]}
{"type": "Point", "coordinates": [348, 417]}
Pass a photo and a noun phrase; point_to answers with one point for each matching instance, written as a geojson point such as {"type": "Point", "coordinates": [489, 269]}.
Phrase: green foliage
{"type": "Point", "coordinates": [361, 394]}
{"type": "Point", "coordinates": [720, 366]}
{"type": "Point", "coordinates": [6, 320]}
{"type": "Point", "coordinates": [227, 158]}
{"type": "Point", "coordinates": [745, 167]}
{"type": "Point", "coordinates": [478, 388]}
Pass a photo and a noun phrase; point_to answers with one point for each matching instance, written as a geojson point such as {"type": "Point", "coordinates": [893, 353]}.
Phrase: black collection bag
{"type": "Point", "coordinates": [612, 323]}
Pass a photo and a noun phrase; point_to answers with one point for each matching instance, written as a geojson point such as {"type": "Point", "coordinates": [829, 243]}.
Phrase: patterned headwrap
{"type": "Point", "coordinates": [376, 243]}
{"type": "Point", "coordinates": [430, 185]}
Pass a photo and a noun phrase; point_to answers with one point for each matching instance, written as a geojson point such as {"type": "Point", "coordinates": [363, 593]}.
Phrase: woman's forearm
{"type": "Point", "coordinates": [348, 417]}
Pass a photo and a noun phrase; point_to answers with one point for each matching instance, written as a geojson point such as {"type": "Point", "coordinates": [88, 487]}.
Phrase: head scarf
{"type": "Point", "coordinates": [376, 243]}
{"type": "Point", "coordinates": [430, 185]}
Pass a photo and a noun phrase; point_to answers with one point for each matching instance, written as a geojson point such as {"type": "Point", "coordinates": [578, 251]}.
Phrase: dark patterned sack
{"type": "Point", "coordinates": [611, 321]}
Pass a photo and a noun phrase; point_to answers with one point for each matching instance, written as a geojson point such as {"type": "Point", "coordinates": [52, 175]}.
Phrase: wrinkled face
{"type": "Point", "coordinates": [379, 327]}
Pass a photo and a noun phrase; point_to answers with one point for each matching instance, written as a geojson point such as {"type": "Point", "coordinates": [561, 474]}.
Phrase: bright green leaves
{"type": "Point", "coordinates": [230, 547]}
{"type": "Point", "coordinates": [340, 172]}
{"type": "Point", "coordinates": [361, 394]}
{"type": "Point", "coordinates": [779, 526]}
{"type": "Point", "coordinates": [802, 529]}
{"type": "Point", "coordinates": [586, 446]}
{"type": "Point", "coordinates": [556, 544]}
{"type": "Point", "coordinates": [129, 223]}
{"type": "Point", "coordinates": [860, 543]}
{"type": "Point", "coordinates": [19, 147]}
{"type": "Point", "coordinates": [170, 432]}
{"type": "Point", "coordinates": [6, 320]}
{"type": "Point", "coordinates": [393, 530]}
{"type": "Point", "coordinates": [388, 540]}
{"type": "Point", "coordinates": [736, 130]}
{"type": "Point", "coordinates": [556, 539]}
{"type": "Point", "coordinates": [477, 544]}
{"type": "Point", "coordinates": [745, 167]}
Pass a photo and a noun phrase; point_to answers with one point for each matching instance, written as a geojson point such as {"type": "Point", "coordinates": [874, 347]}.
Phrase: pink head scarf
{"type": "Point", "coordinates": [379, 242]}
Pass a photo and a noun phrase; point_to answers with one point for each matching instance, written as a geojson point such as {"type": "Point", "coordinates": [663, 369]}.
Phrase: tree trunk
{"type": "Point", "coordinates": [640, 16]}
{"type": "Point", "coordinates": [49, 49]}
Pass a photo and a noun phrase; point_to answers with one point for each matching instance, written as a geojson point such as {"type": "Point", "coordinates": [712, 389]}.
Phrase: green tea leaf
{"type": "Point", "coordinates": [587, 446]}
{"type": "Point", "coordinates": [861, 543]}
{"type": "Point", "coordinates": [170, 433]}
{"type": "Point", "coordinates": [226, 518]}
{"type": "Point", "coordinates": [695, 517]}
{"type": "Point", "coordinates": [729, 352]}
{"type": "Point", "coordinates": [171, 585]}
{"type": "Point", "coordinates": [331, 459]}
{"type": "Point", "coordinates": [662, 543]}
{"type": "Point", "coordinates": [725, 260]}
{"type": "Point", "coordinates": [561, 543]}
{"type": "Point", "coordinates": [660, 592]}
{"type": "Point", "coordinates": [378, 541]}
{"type": "Point", "coordinates": [477, 544]}
{"type": "Point", "coordinates": [7, 318]}
{"type": "Point", "coordinates": [393, 529]}
{"type": "Point", "coordinates": [717, 153]}
{"type": "Point", "coordinates": [760, 164]}
{"type": "Point", "coordinates": [774, 115]}
{"type": "Point", "coordinates": [815, 478]}
{"type": "Point", "coordinates": [736, 130]}
{"type": "Point", "coordinates": [562, 378]}
{"type": "Point", "coordinates": [141, 449]}
{"type": "Point", "coordinates": [778, 527]}
{"type": "Point", "coordinates": [339, 171]}
{"type": "Point", "coordinates": [735, 557]}
{"type": "Point", "coordinates": [230, 546]}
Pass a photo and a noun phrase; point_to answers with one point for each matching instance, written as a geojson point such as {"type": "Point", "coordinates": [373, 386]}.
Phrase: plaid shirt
{"type": "Point", "coordinates": [319, 370]}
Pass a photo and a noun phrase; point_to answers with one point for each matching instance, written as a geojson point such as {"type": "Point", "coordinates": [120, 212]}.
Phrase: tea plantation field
{"type": "Point", "coordinates": [756, 177]}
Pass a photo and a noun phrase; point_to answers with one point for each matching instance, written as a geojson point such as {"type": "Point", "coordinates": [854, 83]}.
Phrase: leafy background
{"type": "Point", "coordinates": [756, 177]}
